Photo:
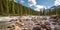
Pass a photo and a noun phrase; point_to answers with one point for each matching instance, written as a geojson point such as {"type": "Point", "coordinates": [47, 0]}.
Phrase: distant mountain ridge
{"type": "Point", "coordinates": [53, 7]}
{"type": "Point", "coordinates": [54, 10]}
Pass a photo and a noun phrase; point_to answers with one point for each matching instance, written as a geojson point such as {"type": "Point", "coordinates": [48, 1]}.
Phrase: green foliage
{"type": "Point", "coordinates": [13, 8]}
{"type": "Point", "coordinates": [1, 8]}
{"type": "Point", "coordinates": [44, 12]}
{"type": "Point", "coordinates": [55, 11]}
{"type": "Point", "coordinates": [7, 8]}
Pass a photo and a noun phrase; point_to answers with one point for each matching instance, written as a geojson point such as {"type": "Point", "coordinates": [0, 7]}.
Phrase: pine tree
{"type": "Point", "coordinates": [57, 11]}
{"type": "Point", "coordinates": [25, 9]}
{"type": "Point", "coordinates": [20, 11]}
{"type": "Point", "coordinates": [13, 11]}
{"type": "Point", "coordinates": [50, 12]}
{"type": "Point", "coordinates": [7, 13]}
{"type": "Point", "coordinates": [44, 12]}
{"type": "Point", "coordinates": [29, 12]}
{"type": "Point", "coordinates": [18, 8]}
{"type": "Point", "coordinates": [9, 8]}
{"type": "Point", "coordinates": [2, 9]}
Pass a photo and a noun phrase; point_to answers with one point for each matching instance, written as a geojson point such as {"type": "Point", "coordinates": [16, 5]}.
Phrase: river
{"type": "Point", "coordinates": [31, 22]}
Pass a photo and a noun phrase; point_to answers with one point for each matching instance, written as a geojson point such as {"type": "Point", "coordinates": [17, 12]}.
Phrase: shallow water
{"type": "Point", "coordinates": [30, 23]}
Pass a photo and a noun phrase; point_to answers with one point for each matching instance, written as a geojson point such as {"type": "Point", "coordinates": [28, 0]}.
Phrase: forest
{"type": "Point", "coordinates": [9, 8]}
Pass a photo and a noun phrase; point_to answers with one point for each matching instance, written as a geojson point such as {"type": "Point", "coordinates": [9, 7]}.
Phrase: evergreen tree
{"type": "Point", "coordinates": [13, 11]}
{"type": "Point", "coordinates": [44, 12]}
{"type": "Point", "coordinates": [50, 12]}
{"type": "Point", "coordinates": [20, 11]}
{"type": "Point", "coordinates": [12, 8]}
{"type": "Point", "coordinates": [2, 8]}
{"type": "Point", "coordinates": [57, 11]}
{"type": "Point", "coordinates": [18, 8]}
{"type": "Point", "coordinates": [7, 13]}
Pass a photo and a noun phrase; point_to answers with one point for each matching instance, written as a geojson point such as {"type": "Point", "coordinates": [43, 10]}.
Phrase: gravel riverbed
{"type": "Point", "coordinates": [30, 23]}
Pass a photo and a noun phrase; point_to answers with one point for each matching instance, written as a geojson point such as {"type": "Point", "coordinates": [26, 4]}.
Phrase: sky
{"type": "Point", "coordinates": [39, 4]}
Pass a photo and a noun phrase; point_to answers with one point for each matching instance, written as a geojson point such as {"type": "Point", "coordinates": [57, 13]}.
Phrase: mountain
{"type": "Point", "coordinates": [13, 8]}
{"type": "Point", "coordinates": [54, 10]}
{"type": "Point", "coordinates": [53, 7]}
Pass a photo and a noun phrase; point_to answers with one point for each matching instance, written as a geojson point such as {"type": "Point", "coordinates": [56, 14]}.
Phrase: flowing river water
{"type": "Point", "coordinates": [30, 23]}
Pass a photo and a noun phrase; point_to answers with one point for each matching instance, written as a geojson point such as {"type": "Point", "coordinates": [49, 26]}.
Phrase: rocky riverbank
{"type": "Point", "coordinates": [30, 23]}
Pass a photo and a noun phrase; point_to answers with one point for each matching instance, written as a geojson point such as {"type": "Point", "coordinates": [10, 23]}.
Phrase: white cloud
{"type": "Point", "coordinates": [22, 1]}
{"type": "Point", "coordinates": [39, 8]}
{"type": "Point", "coordinates": [34, 3]}
{"type": "Point", "coordinates": [14, 0]}
{"type": "Point", "coordinates": [57, 2]}
{"type": "Point", "coordinates": [31, 2]}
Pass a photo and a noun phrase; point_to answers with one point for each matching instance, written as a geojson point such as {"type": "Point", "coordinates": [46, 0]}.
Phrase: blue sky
{"type": "Point", "coordinates": [46, 3]}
